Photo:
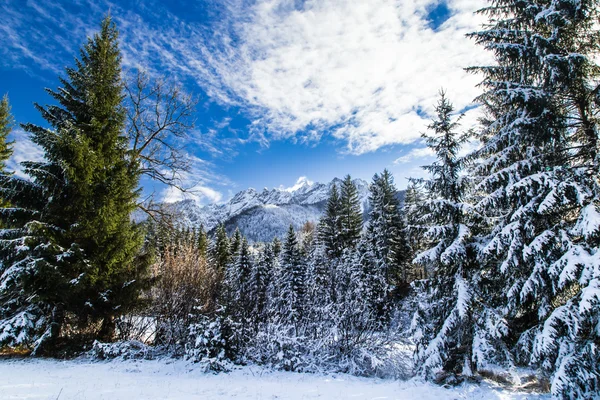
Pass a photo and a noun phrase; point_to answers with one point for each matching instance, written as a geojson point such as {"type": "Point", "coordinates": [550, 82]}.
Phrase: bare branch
{"type": "Point", "coordinates": [159, 118]}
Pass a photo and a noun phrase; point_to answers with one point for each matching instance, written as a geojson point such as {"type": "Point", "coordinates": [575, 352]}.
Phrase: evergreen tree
{"type": "Point", "coordinates": [318, 288]}
{"type": "Point", "coordinates": [293, 275]}
{"type": "Point", "coordinates": [385, 232]}
{"type": "Point", "coordinates": [76, 246]}
{"type": "Point", "coordinates": [445, 319]}
{"type": "Point", "coordinates": [350, 214]}
{"type": "Point", "coordinates": [539, 183]}
{"type": "Point", "coordinates": [330, 225]}
{"type": "Point", "coordinates": [220, 252]}
{"type": "Point", "coordinates": [238, 280]}
{"type": "Point", "coordinates": [234, 244]}
{"type": "Point", "coordinates": [260, 280]}
{"type": "Point", "coordinates": [6, 124]}
{"type": "Point", "coordinates": [202, 242]}
{"type": "Point", "coordinates": [276, 247]}
{"type": "Point", "coordinates": [413, 199]}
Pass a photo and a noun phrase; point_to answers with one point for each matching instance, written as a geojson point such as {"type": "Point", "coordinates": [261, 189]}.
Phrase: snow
{"type": "Point", "coordinates": [174, 379]}
{"type": "Point", "coordinates": [261, 216]}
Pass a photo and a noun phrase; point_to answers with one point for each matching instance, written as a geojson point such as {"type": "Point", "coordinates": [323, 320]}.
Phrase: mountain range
{"type": "Point", "coordinates": [263, 215]}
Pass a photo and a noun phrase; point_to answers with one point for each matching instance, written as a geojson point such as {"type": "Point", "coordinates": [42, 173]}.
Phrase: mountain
{"type": "Point", "coordinates": [261, 216]}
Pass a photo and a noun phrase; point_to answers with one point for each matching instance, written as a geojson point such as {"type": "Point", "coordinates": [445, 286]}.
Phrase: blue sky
{"type": "Point", "coordinates": [287, 88]}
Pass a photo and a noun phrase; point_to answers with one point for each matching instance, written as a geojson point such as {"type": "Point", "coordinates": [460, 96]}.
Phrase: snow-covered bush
{"type": "Point", "coordinates": [126, 350]}
{"type": "Point", "coordinates": [278, 346]}
{"type": "Point", "coordinates": [207, 344]}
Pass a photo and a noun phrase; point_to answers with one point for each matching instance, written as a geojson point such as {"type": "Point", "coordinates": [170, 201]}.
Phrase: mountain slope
{"type": "Point", "coordinates": [261, 216]}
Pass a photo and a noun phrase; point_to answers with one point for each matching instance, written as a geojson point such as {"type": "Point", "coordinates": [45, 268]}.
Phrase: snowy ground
{"type": "Point", "coordinates": [167, 379]}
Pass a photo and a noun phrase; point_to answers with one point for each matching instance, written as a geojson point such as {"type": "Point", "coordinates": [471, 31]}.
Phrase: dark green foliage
{"type": "Point", "coordinates": [330, 227]}
{"type": "Point", "coordinates": [220, 253]}
{"type": "Point", "coordinates": [202, 242]}
{"type": "Point", "coordinates": [350, 215]}
{"type": "Point", "coordinates": [293, 275]}
{"type": "Point", "coordinates": [385, 233]}
{"type": "Point", "coordinates": [79, 248]}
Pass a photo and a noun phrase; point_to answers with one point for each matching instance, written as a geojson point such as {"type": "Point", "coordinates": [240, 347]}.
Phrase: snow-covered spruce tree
{"type": "Point", "coordinates": [361, 297]}
{"type": "Point", "coordinates": [444, 321]}
{"type": "Point", "coordinates": [235, 243]}
{"type": "Point", "coordinates": [71, 248]}
{"type": "Point", "coordinates": [293, 279]}
{"type": "Point", "coordinates": [239, 293]}
{"type": "Point", "coordinates": [329, 229]}
{"type": "Point", "coordinates": [350, 215]}
{"type": "Point", "coordinates": [318, 305]}
{"type": "Point", "coordinates": [385, 252]}
{"type": "Point", "coordinates": [219, 253]}
{"type": "Point", "coordinates": [413, 198]}
{"type": "Point", "coordinates": [539, 175]}
{"type": "Point", "coordinates": [276, 247]}
{"type": "Point", "coordinates": [260, 280]}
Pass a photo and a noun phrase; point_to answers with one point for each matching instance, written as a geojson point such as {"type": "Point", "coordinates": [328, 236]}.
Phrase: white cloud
{"type": "Point", "coordinates": [369, 70]}
{"type": "Point", "coordinates": [415, 153]}
{"type": "Point", "coordinates": [366, 72]}
{"type": "Point", "coordinates": [198, 183]}
{"type": "Point", "coordinates": [199, 193]}
{"type": "Point", "coordinates": [23, 150]}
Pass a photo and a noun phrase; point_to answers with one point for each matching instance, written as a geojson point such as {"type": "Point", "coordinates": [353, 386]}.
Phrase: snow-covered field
{"type": "Point", "coordinates": [168, 379]}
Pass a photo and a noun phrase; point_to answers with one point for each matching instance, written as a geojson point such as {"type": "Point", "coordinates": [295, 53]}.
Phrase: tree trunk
{"type": "Point", "coordinates": [107, 331]}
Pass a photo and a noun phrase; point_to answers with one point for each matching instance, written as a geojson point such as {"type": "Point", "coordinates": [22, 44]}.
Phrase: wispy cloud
{"type": "Point", "coordinates": [199, 183]}
{"type": "Point", "coordinates": [23, 150]}
{"type": "Point", "coordinates": [366, 72]}
{"type": "Point", "coordinates": [416, 153]}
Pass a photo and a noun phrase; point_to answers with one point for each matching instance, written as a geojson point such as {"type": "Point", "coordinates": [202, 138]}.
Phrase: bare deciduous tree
{"type": "Point", "coordinates": [159, 118]}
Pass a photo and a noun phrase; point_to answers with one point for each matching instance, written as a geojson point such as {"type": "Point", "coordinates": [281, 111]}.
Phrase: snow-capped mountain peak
{"type": "Point", "coordinates": [266, 214]}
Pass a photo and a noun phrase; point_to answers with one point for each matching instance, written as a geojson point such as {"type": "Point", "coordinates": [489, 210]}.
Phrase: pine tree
{"type": "Point", "coordinates": [276, 247]}
{"type": "Point", "coordinates": [330, 225]}
{"type": "Point", "coordinates": [77, 246]}
{"type": "Point", "coordinates": [202, 242]}
{"type": "Point", "coordinates": [385, 232]}
{"type": "Point", "coordinates": [413, 199]}
{"type": "Point", "coordinates": [238, 280]}
{"type": "Point", "coordinates": [445, 330]}
{"type": "Point", "coordinates": [538, 178]}
{"type": "Point", "coordinates": [220, 251]}
{"type": "Point", "coordinates": [318, 288]}
{"type": "Point", "coordinates": [350, 214]}
{"type": "Point", "coordinates": [293, 275]}
{"type": "Point", "coordinates": [6, 124]}
{"type": "Point", "coordinates": [260, 280]}
{"type": "Point", "coordinates": [234, 243]}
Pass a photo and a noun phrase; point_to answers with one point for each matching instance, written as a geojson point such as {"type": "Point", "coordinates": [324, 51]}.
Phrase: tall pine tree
{"type": "Point", "coordinates": [329, 229]}
{"type": "Point", "coordinates": [73, 246]}
{"type": "Point", "coordinates": [350, 214]}
{"type": "Point", "coordinates": [444, 319]}
{"type": "Point", "coordinates": [539, 179]}
{"type": "Point", "coordinates": [293, 276]}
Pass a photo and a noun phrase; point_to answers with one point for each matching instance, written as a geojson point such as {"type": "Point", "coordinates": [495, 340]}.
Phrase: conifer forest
{"type": "Point", "coordinates": [486, 267]}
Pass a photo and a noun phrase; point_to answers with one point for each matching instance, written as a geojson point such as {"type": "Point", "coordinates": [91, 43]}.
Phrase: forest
{"type": "Point", "coordinates": [490, 264]}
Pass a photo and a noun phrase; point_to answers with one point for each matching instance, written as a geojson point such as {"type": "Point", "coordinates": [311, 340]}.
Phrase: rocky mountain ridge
{"type": "Point", "coordinates": [263, 215]}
